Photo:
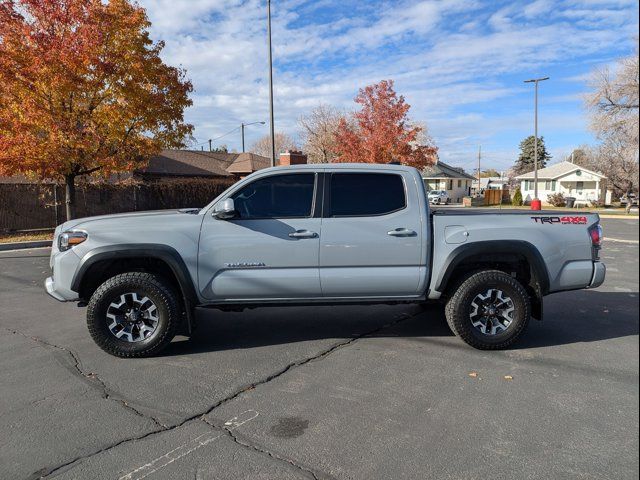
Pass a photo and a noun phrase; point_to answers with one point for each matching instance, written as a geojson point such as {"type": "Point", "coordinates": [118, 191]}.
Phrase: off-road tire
{"type": "Point", "coordinates": [150, 285]}
{"type": "Point", "coordinates": [458, 308]}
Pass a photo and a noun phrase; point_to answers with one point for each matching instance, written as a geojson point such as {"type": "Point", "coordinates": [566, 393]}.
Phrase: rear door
{"type": "Point", "coordinates": [270, 250]}
{"type": "Point", "coordinates": [372, 235]}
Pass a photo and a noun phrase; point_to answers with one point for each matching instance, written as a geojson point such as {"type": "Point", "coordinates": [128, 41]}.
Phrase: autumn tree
{"type": "Point", "coordinates": [492, 172]}
{"type": "Point", "coordinates": [613, 107]}
{"type": "Point", "coordinates": [319, 129]}
{"type": "Point", "coordinates": [380, 132]}
{"type": "Point", "coordinates": [83, 89]}
{"type": "Point", "coordinates": [283, 142]}
{"type": "Point", "coordinates": [526, 159]}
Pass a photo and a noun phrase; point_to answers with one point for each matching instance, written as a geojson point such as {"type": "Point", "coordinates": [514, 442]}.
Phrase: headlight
{"type": "Point", "coordinates": [67, 240]}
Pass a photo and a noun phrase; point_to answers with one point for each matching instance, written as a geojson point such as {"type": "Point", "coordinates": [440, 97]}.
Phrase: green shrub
{"type": "Point", "coordinates": [517, 198]}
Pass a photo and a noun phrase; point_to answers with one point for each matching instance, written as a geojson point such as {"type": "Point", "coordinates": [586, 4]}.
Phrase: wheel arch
{"type": "Point", "coordinates": [109, 254]}
{"type": "Point", "coordinates": [498, 252]}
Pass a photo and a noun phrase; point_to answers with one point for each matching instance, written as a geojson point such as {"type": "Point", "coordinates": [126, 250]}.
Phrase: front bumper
{"type": "Point", "coordinates": [63, 266]}
{"type": "Point", "coordinates": [50, 287]}
{"type": "Point", "coordinates": [58, 292]}
{"type": "Point", "coordinates": [599, 273]}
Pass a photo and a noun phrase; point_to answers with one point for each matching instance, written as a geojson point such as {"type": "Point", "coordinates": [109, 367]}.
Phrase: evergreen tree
{"type": "Point", "coordinates": [525, 162]}
{"type": "Point", "coordinates": [517, 201]}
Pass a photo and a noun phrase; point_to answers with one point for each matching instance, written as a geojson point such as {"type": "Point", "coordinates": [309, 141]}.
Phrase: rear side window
{"type": "Point", "coordinates": [278, 196]}
{"type": "Point", "coordinates": [366, 194]}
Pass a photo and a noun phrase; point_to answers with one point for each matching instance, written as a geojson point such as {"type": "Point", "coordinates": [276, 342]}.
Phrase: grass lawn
{"type": "Point", "coordinates": [612, 210]}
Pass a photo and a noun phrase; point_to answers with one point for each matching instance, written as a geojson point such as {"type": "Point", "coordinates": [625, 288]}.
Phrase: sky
{"type": "Point", "coordinates": [460, 64]}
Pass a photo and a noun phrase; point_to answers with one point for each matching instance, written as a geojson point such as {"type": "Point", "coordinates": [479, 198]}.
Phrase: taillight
{"type": "Point", "coordinates": [596, 235]}
{"type": "Point", "coordinates": [595, 232]}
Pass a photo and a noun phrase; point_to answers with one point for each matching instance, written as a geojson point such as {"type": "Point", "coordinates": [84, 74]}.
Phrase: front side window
{"type": "Point", "coordinates": [277, 196]}
{"type": "Point", "coordinates": [366, 194]}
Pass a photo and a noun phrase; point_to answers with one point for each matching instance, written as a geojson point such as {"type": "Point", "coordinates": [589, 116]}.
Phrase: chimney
{"type": "Point", "coordinates": [292, 157]}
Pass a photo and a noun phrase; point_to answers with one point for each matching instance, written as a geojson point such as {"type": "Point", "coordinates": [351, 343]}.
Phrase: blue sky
{"type": "Point", "coordinates": [459, 63]}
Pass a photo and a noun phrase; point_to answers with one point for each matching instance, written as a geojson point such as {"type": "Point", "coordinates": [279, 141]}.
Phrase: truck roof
{"type": "Point", "coordinates": [343, 166]}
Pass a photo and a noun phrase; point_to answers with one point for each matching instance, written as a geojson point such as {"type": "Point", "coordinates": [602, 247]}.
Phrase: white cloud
{"type": "Point", "coordinates": [445, 56]}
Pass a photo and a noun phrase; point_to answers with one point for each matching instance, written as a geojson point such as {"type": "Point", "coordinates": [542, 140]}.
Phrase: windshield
{"type": "Point", "coordinates": [434, 192]}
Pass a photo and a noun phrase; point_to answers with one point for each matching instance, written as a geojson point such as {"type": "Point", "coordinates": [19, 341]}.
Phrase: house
{"type": "Point", "coordinates": [494, 183]}
{"type": "Point", "coordinates": [566, 178]}
{"type": "Point", "coordinates": [182, 164]}
{"type": "Point", "coordinates": [200, 164]}
{"type": "Point", "coordinates": [454, 180]}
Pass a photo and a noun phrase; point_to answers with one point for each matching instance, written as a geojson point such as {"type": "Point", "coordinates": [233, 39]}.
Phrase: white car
{"type": "Point", "coordinates": [439, 197]}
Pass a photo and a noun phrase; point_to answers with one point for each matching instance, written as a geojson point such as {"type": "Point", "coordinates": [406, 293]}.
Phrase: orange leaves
{"type": "Point", "coordinates": [380, 133]}
{"type": "Point", "coordinates": [82, 87]}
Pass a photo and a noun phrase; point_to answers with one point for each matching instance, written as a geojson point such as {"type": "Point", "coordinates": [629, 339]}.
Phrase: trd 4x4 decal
{"type": "Point", "coordinates": [561, 220]}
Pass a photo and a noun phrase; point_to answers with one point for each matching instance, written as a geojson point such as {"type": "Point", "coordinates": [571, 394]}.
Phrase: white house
{"type": "Point", "coordinates": [490, 183]}
{"type": "Point", "coordinates": [454, 180]}
{"type": "Point", "coordinates": [567, 178]}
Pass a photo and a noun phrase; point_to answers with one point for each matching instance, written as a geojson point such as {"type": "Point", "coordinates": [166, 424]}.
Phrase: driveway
{"type": "Point", "coordinates": [328, 392]}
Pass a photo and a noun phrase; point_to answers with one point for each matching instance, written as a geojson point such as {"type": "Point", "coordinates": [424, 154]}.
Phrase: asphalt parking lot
{"type": "Point", "coordinates": [329, 392]}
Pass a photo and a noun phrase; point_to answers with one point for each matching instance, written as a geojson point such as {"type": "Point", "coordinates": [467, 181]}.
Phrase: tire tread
{"type": "Point", "coordinates": [145, 280]}
{"type": "Point", "coordinates": [456, 315]}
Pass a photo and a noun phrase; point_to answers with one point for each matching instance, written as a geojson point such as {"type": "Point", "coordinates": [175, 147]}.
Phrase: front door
{"type": "Point", "coordinates": [270, 250]}
{"type": "Point", "coordinates": [372, 242]}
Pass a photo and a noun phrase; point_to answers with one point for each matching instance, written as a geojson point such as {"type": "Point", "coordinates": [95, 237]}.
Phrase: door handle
{"type": "Point", "coordinates": [303, 234]}
{"type": "Point", "coordinates": [401, 232]}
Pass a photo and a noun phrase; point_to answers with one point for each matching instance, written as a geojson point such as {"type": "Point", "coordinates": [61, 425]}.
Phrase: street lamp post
{"type": "Point", "coordinates": [535, 203]}
{"type": "Point", "coordinates": [242, 125]}
{"type": "Point", "coordinates": [272, 132]}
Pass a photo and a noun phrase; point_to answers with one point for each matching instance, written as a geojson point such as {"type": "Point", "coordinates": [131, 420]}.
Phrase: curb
{"type": "Point", "coordinates": [23, 245]}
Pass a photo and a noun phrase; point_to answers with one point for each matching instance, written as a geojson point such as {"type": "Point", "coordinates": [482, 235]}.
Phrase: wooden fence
{"type": "Point", "coordinates": [496, 197]}
{"type": "Point", "coordinates": [25, 206]}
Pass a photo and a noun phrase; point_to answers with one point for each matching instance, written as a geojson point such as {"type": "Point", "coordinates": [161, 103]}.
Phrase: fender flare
{"type": "Point", "coordinates": [518, 247]}
{"type": "Point", "coordinates": [167, 254]}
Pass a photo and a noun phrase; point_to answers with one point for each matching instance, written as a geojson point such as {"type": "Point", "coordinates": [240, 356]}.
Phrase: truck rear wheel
{"type": "Point", "coordinates": [489, 310]}
{"type": "Point", "coordinates": [133, 314]}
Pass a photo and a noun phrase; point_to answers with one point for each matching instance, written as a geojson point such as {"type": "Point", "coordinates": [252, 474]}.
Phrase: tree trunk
{"type": "Point", "coordinates": [70, 194]}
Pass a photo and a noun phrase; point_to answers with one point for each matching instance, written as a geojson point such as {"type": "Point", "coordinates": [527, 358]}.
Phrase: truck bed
{"type": "Point", "coordinates": [558, 241]}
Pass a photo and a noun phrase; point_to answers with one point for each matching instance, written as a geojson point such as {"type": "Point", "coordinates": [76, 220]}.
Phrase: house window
{"type": "Point", "coordinates": [580, 186]}
{"type": "Point", "coordinates": [450, 187]}
{"type": "Point", "coordinates": [459, 183]}
{"type": "Point", "coordinates": [550, 185]}
{"type": "Point", "coordinates": [527, 184]}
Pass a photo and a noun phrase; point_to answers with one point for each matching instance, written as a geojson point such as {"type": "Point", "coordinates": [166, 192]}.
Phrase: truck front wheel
{"type": "Point", "coordinates": [489, 310]}
{"type": "Point", "coordinates": [133, 314]}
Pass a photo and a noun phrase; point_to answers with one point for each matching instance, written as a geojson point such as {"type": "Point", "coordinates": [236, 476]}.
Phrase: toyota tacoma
{"type": "Point", "coordinates": [320, 234]}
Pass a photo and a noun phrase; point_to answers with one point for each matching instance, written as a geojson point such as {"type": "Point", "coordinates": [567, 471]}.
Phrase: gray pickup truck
{"type": "Point", "coordinates": [320, 234]}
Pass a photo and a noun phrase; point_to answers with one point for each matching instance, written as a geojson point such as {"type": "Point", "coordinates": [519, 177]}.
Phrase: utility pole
{"type": "Point", "coordinates": [246, 125]}
{"type": "Point", "coordinates": [479, 156]}
{"type": "Point", "coordinates": [535, 204]}
{"type": "Point", "coordinates": [272, 132]}
{"type": "Point", "coordinates": [209, 144]}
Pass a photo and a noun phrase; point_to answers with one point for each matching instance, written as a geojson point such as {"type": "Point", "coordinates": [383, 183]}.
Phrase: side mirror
{"type": "Point", "coordinates": [225, 210]}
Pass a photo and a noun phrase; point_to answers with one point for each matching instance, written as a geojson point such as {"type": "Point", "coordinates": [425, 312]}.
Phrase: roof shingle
{"type": "Point", "coordinates": [556, 170]}
{"type": "Point", "coordinates": [442, 170]}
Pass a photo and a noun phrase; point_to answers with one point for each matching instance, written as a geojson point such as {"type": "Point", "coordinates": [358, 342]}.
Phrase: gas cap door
{"type": "Point", "coordinates": [455, 234]}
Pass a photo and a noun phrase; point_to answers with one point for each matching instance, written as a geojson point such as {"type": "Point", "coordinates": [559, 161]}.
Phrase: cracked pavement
{"type": "Point", "coordinates": [323, 393]}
